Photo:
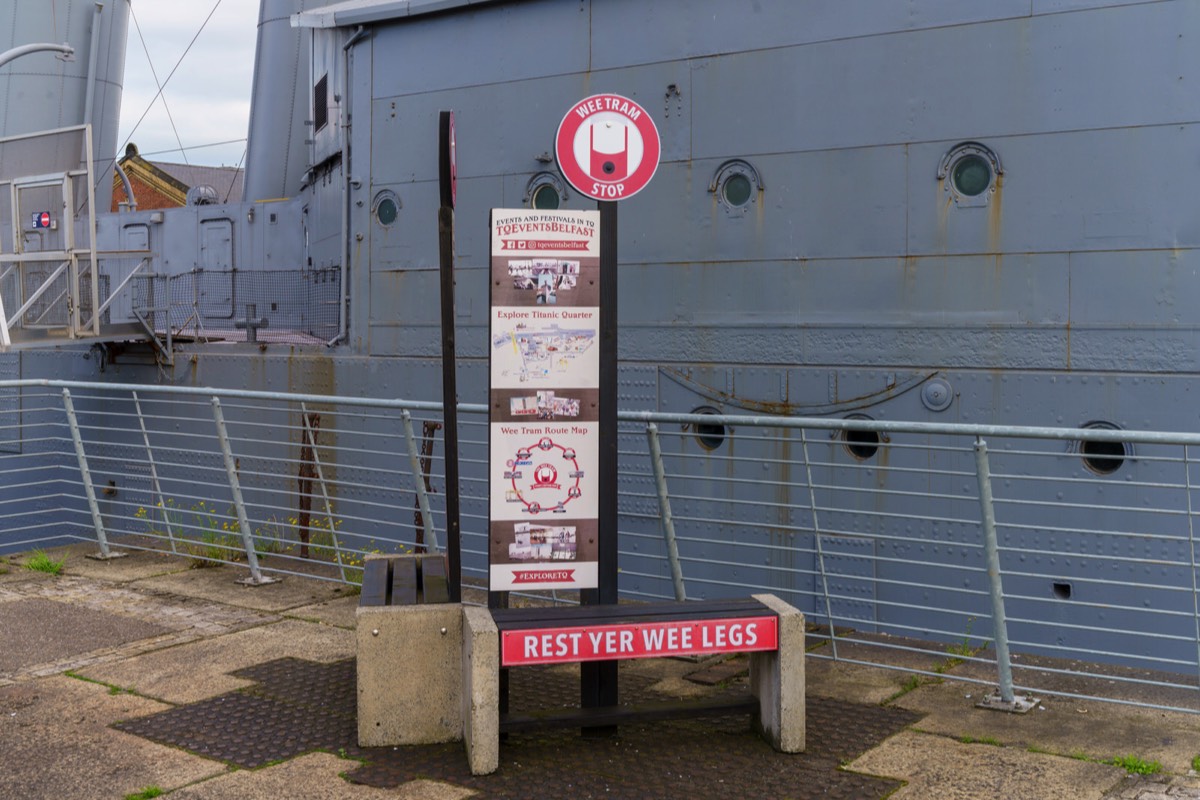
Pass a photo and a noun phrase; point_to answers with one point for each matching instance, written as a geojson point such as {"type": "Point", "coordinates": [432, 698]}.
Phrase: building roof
{"type": "Point", "coordinates": [226, 180]}
{"type": "Point", "coordinates": [164, 185]}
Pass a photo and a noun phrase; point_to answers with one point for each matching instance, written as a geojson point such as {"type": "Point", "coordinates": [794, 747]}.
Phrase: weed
{"type": "Point", "coordinates": [145, 794]}
{"type": "Point", "coordinates": [959, 651]}
{"type": "Point", "coordinates": [1195, 763]}
{"type": "Point", "coordinates": [992, 740]}
{"type": "Point", "coordinates": [1033, 748]}
{"type": "Point", "coordinates": [1079, 755]}
{"type": "Point", "coordinates": [113, 689]}
{"type": "Point", "coordinates": [1136, 766]}
{"type": "Point", "coordinates": [911, 683]}
{"type": "Point", "coordinates": [40, 562]}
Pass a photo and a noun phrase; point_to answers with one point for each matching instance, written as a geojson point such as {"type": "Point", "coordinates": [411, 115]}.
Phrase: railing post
{"type": "Point", "coordinates": [256, 577]}
{"type": "Point", "coordinates": [312, 444]}
{"type": "Point", "coordinates": [162, 501]}
{"type": "Point", "coordinates": [86, 474]}
{"type": "Point", "coordinates": [664, 508]}
{"type": "Point", "coordinates": [1006, 700]}
{"type": "Point", "coordinates": [812, 504]}
{"type": "Point", "coordinates": [419, 480]}
{"type": "Point", "coordinates": [1187, 481]}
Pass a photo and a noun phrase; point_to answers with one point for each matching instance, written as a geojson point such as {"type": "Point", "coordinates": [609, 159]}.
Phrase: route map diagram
{"type": "Point", "coordinates": [547, 354]}
{"type": "Point", "coordinates": [546, 486]}
{"type": "Point", "coordinates": [544, 472]}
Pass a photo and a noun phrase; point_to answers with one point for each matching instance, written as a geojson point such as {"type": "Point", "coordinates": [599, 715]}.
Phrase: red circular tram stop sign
{"type": "Point", "coordinates": [607, 147]}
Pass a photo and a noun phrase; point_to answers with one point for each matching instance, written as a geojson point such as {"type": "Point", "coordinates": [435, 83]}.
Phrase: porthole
{"type": "Point", "coordinates": [736, 185]}
{"type": "Point", "coordinates": [1103, 458]}
{"type": "Point", "coordinates": [545, 190]}
{"type": "Point", "coordinates": [970, 172]}
{"type": "Point", "coordinates": [546, 197]}
{"type": "Point", "coordinates": [863, 445]}
{"type": "Point", "coordinates": [736, 189]}
{"type": "Point", "coordinates": [386, 208]}
{"type": "Point", "coordinates": [709, 435]}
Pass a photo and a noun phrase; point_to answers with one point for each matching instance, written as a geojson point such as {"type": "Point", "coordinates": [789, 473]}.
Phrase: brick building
{"type": "Point", "coordinates": [158, 184]}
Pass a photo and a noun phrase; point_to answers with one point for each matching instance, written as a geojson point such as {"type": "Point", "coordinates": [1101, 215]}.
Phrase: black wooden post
{"type": "Point", "coordinates": [447, 170]}
{"type": "Point", "coordinates": [598, 685]}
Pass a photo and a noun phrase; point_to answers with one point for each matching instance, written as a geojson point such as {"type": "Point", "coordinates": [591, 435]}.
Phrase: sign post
{"type": "Point", "coordinates": [608, 148]}
{"type": "Point", "coordinates": [553, 396]}
{"type": "Point", "coordinates": [448, 174]}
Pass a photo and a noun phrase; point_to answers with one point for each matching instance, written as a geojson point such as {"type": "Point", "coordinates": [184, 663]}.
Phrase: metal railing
{"type": "Point", "coordinates": [1049, 559]}
{"type": "Point", "coordinates": [285, 306]}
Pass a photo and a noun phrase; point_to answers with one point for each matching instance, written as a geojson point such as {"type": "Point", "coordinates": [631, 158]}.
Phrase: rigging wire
{"type": "Point", "coordinates": [142, 118]}
{"type": "Point", "coordinates": [192, 147]}
{"type": "Point", "coordinates": [154, 74]}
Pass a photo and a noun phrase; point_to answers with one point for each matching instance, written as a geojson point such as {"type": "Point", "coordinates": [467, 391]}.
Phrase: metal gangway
{"type": "Point", "coordinates": [55, 284]}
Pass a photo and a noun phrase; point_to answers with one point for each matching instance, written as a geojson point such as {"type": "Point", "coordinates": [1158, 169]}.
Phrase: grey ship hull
{"type": "Point", "coordinates": [853, 275]}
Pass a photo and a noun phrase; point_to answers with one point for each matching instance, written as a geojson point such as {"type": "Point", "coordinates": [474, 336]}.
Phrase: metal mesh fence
{"type": "Point", "coordinates": [278, 306]}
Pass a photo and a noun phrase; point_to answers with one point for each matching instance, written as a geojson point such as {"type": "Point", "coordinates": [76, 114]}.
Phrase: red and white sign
{"type": "Point", "coordinates": [608, 147]}
{"type": "Point", "coordinates": [640, 640]}
{"type": "Point", "coordinates": [41, 219]}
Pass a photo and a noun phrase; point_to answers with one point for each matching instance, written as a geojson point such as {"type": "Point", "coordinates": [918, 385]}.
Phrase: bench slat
{"type": "Point", "coordinates": [616, 715]}
{"type": "Point", "coordinates": [572, 616]}
{"type": "Point", "coordinates": [434, 585]}
{"type": "Point", "coordinates": [404, 582]}
{"type": "Point", "coordinates": [374, 583]}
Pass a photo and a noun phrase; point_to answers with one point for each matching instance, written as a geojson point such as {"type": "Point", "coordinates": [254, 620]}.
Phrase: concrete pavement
{"type": "Point", "coordinates": [123, 675]}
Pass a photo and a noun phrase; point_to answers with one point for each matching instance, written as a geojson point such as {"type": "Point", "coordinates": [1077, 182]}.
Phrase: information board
{"type": "Point", "coordinates": [544, 400]}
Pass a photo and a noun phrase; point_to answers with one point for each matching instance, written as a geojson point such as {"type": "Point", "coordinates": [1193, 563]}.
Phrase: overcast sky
{"type": "Point", "coordinates": [209, 94]}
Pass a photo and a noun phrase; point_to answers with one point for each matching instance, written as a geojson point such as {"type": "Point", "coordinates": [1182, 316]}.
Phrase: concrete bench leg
{"type": "Point", "coordinates": [777, 680]}
{"type": "Point", "coordinates": [408, 678]}
{"type": "Point", "coordinates": [481, 690]}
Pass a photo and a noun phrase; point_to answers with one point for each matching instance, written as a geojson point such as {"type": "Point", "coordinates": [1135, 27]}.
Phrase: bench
{"type": "Point", "coordinates": [764, 626]}
{"type": "Point", "coordinates": [409, 640]}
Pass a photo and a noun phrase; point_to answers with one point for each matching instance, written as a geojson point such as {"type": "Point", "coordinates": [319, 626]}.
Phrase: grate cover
{"type": "Point", "coordinates": [300, 706]}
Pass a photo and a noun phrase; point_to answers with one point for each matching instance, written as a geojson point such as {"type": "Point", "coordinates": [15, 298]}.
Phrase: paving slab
{"type": "Point", "coordinates": [937, 767]}
{"type": "Point", "coordinates": [312, 777]}
{"type": "Point", "coordinates": [56, 742]}
{"type": "Point", "coordinates": [199, 670]}
{"type": "Point", "coordinates": [101, 622]}
{"type": "Point", "coordinates": [35, 631]}
{"type": "Point", "coordinates": [861, 682]}
{"type": "Point", "coordinates": [133, 565]}
{"type": "Point", "coordinates": [220, 584]}
{"type": "Point", "coordinates": [15, 572]}
{"type": "Point", "coordinates": [339, 612]}
{"type": "Point", "coordinates": [170, 610]}
{"type": "Point", "coordinates": [1156, 787]}
{"type": "Point", "coordinates": [1061, 725]}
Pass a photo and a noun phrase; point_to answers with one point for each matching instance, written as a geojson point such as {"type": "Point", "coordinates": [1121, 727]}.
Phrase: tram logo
{"type": "Point", "coordinates": [545, 477]}
{"type": "Point", "coordinates": [612, 163]}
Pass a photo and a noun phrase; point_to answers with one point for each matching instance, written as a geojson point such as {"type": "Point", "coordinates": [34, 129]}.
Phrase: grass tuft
{"type": "Point", "coordinates": [145, 794]}
{"type": "Point", "coordinates": [1137, 766]}
{"type": "Point", "coordinates": [40, 562]}
{"type": "Point", "coordinates": [993, 741]}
